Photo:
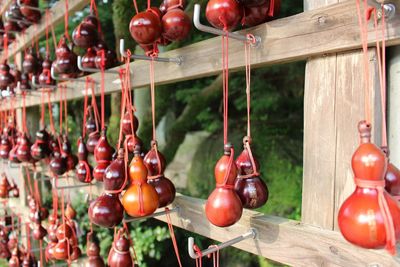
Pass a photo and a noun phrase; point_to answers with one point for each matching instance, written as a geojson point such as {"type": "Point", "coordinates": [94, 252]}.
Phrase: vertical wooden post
{"type": "Point", "coordinates": [333, 104]}
{"type": "Point", "coordinates": [394, 104]}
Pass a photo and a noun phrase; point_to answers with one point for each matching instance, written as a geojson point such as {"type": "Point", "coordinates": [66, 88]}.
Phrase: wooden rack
{"type": "Point", "coordinates": [328, 37]}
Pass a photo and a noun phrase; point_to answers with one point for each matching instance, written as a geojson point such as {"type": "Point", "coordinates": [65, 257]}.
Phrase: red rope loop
{"type": "Point", "coordinates": [172, 234]}
{"type": "Point", "coordinates": [199, 254]}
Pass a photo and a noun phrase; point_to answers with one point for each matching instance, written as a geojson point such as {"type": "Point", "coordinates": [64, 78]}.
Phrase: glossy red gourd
{"type": "Point", "coordinates": [83, 169]}
{"type": "Point", "coordinates": [85, 35]}
{"type": "Point", "coordinates": [39, 232]}
{"type": "Point", "coordinates": [106, 211]}
{"type": "Point", "coordinates": [103, 156]}
{"type": "Point", "coordinates": [119, 255]}
{"type": "Point", "coordinates": [255, 15]}
{"type": "Point", "coordinates": [361, 219]}
{"type": "Point", "coordinates": [30, 14]}
{"type": "Point", "coordinates": [145, 27]}
{"type": "Point", "coordinates": [392, 178]}
{"type": "Point", "coordinates": [25, 85]}
{"type": "Point", "coordinates": [89, 59]}
{"type": "Point", "coordinates": [170, 4]}
{"type": "Point", "coordinates": [4, 186]}
{"type": "Point", "coordinates": [105, 57]}
{"type": "Point", "coordinates": [93, 253]}
{"type": "Point", "coordinates": [61, 249]}
{"type": "Point", "coordinates": [93, 140]}
{"type": "Point", "coordinates": [70, 159]}
{"type": "Point", "coordinates": [133, 141]}
{"type": "Point", "coordinates": [14, 260]}
{"type": "Point", "coordinates": [114, 175]}
{"type": "Point", "coordinates": [5, 147]}
{"type": "Point", "coordinates": [31, 62]}
{"type": "Point", "coordinates": [127, 123]}
{"type": "Point", "coordinates": [45, 76]}
{"type": "Point", "coordinates": [6, 78]}
{"type": "Point", "coordinates": [17, 76]}
{"type": "Point", "coordinates": [251, 189]}
{"type": "Point", "coordinates": [91, 125]}
{"type": "Point", "coordinates": [176, 25]}
{"type": "Point", "coordinates": [224, 14]}
{"type": "Point", "coordinates": [155, 164]}
{"type": "Point", "coordinates": [24, 149]}
{"type": "Point", "coordinates": [141, 198]}
{"type": "Point", "coordinates": [224, 207]}
{"type": "Point", "coordinates": [58, 164]}
{"type": "Point", "coordinates": [65, 62]}
{"type": "Point", "coordinates": [40, 149]}
{"type": "Point", "coordinates": [76, 253]}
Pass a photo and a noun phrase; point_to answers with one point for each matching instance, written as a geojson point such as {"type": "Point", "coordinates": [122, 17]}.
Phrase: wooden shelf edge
{"type": "Point", "coordinates": [282, 240]}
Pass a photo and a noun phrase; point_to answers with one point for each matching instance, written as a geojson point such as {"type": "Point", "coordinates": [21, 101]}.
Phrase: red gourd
{"type": "Point", "coordinates": [392, 178]}
{"type": "Point", "coordinates": [83, 169]}
{"type": "Point", "coordinates": [224, 14]}
{"type": "Point", "coordinates": [370, 217]}
{"type": "Point", "coordinates": [85, 35]}
{"type": "Point", "coordinates": [58, 165]}
{"type": "Point", "coordinates": [30, 64]}
{"type": "Point", "coordinates": [14, 260]}
{"type": "Point", "coordinates": [93, 253]}
{"type": "Point", "coordinates": [251, 189]}
{"type": "Point", "coordinates": [91, 124]}
{"type": "Point", "coordinates": [176, 25]}
{"type": "Point", "coordinates": [114, 176]}
{"type": "Point", "coordinates": [39, 232]}
{"type": "Point", "coordinates": [24, 149]}
{"type": "Point", "coordinates": [65, 62]}
{"type": "Point", "coordinates": [126, 123]}
{"type": "Point", "coordinates": [12, 155]}
{"type": "Point", "coordinates": [5, 147]}
{"type": "Point", "coordinates": [140, 199]}
{"type": "Point", "coordinates": [6, 78]}
{"type": "Point", "coordinates": [171, 4]}
{"type": "Point", "coordinates": [89, 59]}
{"type": "Point", "coordinates": [132, 141]}
{"type": "Point", "coordinates": [106, 211]}
{"type": "Point", "coordinates": [255, 15]}
{"type": "Point", "coordinates": [155, 164]}
{"type": "Point", "coordinates": [25, 85]}
{"type": "Point", "coordinates": [45, 76]}
{"type": "Point", "coordinates": [104, 57]}
{"type": "Point", "coordinates": [4, 186]}
{"type": "Point", "coordinates": [30, 14]}
{"type": "Point", "coordinates": [145, 27]}
{"type": "Point", "coordinates": [40, 149]}
{"type": "Point", "coordinates": [119, 255]}
{"type": "Point", "coordinates": [223, 206]}
{"type": "Point", "coordinates": [103, 156]}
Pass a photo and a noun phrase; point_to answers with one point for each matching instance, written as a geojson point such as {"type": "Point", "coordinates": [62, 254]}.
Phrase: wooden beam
{"type": "Point", "coordinates": [321, 31]}
{"type": "Point", "coordinates": [39, 29]}
{"type": "Point", "coordinates": [282, 240]}
{"type": "Point", "coordinates": [4, 6]}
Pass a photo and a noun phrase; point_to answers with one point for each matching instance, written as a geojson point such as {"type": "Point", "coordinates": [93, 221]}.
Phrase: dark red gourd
{"type": "Point", "coordinates": [145, 27]}
{"type": "Point", "coordinates": [392, 177]}
{"type": "Point", "coordinates": [93, 253]}
{"type": "Point", "coordinates": [40, 149]}
{"type": "Point", "coordinates": [223, 206]}
{"type": "Point", "coordinates": [89, 59]}
{"type": "Point", "coordinates": [103, 155]}
{"type": "Point", "coordinates": [251, 189]}
{"type": "Point", "coordinates": [155, 164]}
{"type": "Point", "coordinates": [83, 169]}
{"type": "Point", "coordinates": [65, 62]}
{"type": "Point", "coordinates": [6, 78]}
{"type": "Point", "coordinates": [255, 15]}
{"type": "Point", "coordinates": [30, 14]}
{"type": "Point", "coordinates": [114, 176]}
{"type": "Point", "coordinates": [176, 25]}
{"type": "Point", "coordinates": [85, 35]}
{"type": "Point", "coordinates": [58, 165]}
{"type": "Point", "coordinates": [45, 76]}
{"type": "Point", "coordinates": [119, 255]}
{"type": "Point", "coordinates": [127, 123]}
{"type": "Point", "coordinates": [105, 58]}
{"type": "Point", "coordinates": [5, 147]}
{"type": "Point", "coordinates": [224, 14]}
{"type": "Point", "coordinates": [132, 141]}
{"type": "Point", "coordinates": [361, 218]}
{"type": "Point", "coordinates": [30, 64]}
{"type": "Point", "coordinates": [24, 149]}
{"type": "Point", "coordinates": [106, 211]}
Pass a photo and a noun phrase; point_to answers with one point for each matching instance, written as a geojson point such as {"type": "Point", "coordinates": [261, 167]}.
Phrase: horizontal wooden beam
{"type": "Point", "coordinates": [282, 240]}
{"type": "Point", "coordinates": [37, 30]}
{"type": "Point", "coordinates": [322, 31]}
{"type": "Point", "coordinates": [4, 5]}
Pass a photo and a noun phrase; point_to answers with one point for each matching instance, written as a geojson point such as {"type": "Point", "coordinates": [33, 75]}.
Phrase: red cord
{"type": "Point", "coordinates": [199, 259]}
{"type": "Point", "coordinates": [173, 238]}
{"type": "Point", "coordinates": [102, 89]}
{"type": "Point", "coordinates": [66, 18]}
{"type": "Point", "coordinates": [215, 255]}
{"type": "Point", "coordinates": [136, 6]}
{"type": "Point", "coordinates": [85, 107]}
{"type": "Point", "coordinates": [153, 101]}
{"type": "Point", "coordinates": [52, 127]}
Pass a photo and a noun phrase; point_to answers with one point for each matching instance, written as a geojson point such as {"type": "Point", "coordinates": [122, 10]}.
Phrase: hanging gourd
{"type": "Point", "coordinates": [85, 35]}
{"type": "Point", "coordinates": [249, 186]}
{"type": "Point", "coordinates": [45, 75]}
{"type": "Point", "coordinates": [176, 24]}
{"type": "Point", "coordinates": [392, 178]}
{"type": "Point", "coordinates": [93, 253]}
{"type": "Point", "coordinates": [40, 149]}
{"type": "Point", "coordinates": [105, 58]}
{"type": "Point", "coordinates": [92, 130]}
{"type": "Point", "coordinates": [89, 58]}
{"type": "Point", "coordinates": [83, 169]}
{"type": "Point", "coordinates": [224, 14]}
{"type": "Point", "coordinates": [369, 218]}
{"type": "Point", "coordinates": [31, 63]}
{"type": "Point", "coordinates": [140, 199]}
{"type": "Point", "coordinates": [6, 78]}
{"type": "Point", "coordinates": [119, 255]}
{"type": "Point", "coordinates": [65, 63]}
{"type": "Point", "coordinates": [32, 15]}
{"type": "Point", "coordinates": [103, 155]}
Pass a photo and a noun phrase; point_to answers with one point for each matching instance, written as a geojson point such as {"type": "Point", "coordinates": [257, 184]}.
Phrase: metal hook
{"type": "Point", "coordinates": [252, 233]}
{"type": "Point", "coordinates": [177, 60]}
{"type": "Point", "coordinates": [156, 214]}
{"type": "Point", "coordinates": [233, 35]}
{"type": "Point", "coordinates": [56, 78]}
{"type": "Point", "coordinates": [29, 7]}
{"type": "Point", "coordinates": [80, 67]}
{"type": "Point", "coordinates": [39, 86]}
{"type": "Point", "coordinates": [68, 186]}
{"type": "Point", "coordinates": [390, 9]}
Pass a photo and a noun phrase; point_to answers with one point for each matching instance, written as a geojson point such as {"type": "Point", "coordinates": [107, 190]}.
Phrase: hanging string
{"type": "Point", "coordinates": [85, 107]}
{"type": "Point", "coordinates": [136, 6]}
{"type": "Point", "coordinates": [64, 91]}
{"type": "Point", "coordinates": [52, 127]}
{"type": "Point", "coordinates": [66, 19]}
{"type": "Point", "coordinates": [102, 88]}
{"type": "Point", "coordinates": [225, 81]}
{"type": "Point", "coordinates": [381, 54]}
{"type": "Point", "coordinates": [152, 95]}
{"type": "Point", "coordinates": [93, 9]}
{"type": "Point", "coordinates": [215, 255]}
{"type": "Point", "coordinates": [172, 234]}
{"type": "Point", "coordinates": [42, 110]}
{"type": "Point", "coordinates": [199, 259]}
{"type": "Point", "coordinates": [94, 105]}
{"type": "Point", "coordinates": [24, 128]}
{"type": "Point", "coordinates": [363, 24]}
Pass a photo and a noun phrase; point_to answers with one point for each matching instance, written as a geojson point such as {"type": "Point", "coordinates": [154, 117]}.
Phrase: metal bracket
{"type": "Point", "coordinates": [46, 87]}
{"type": "Point", "coordinates": [390, 9]}
{"type": "Point", "coordinates": [252, 233]}
{"type": "Point", "coordinates": [80, 67]}
{"type": "Point", "coordinates": [156, 214]}
{"type": "Point", "coordinates": [208, 29]}
{"type": "Point", "coordinates": [56, 78]}
{"type": "Point", "coordinates": [177, 60]}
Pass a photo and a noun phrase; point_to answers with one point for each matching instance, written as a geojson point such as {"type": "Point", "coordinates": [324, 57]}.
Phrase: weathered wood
{"type": "Point", "coordinates": [282, 240]}
{"type": "Point", "coordinates": [350, 89]}
{"type": "Point", "coordinates": [322, 31]}
{"type": "Point", "coordinates": [319, 138]}
{"type": "Point", "coordinates": [39, 29]}
{"type": "Point", "coordinates": [4, 6]}
{"type": "Point", "coordinates": [394, 104]}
